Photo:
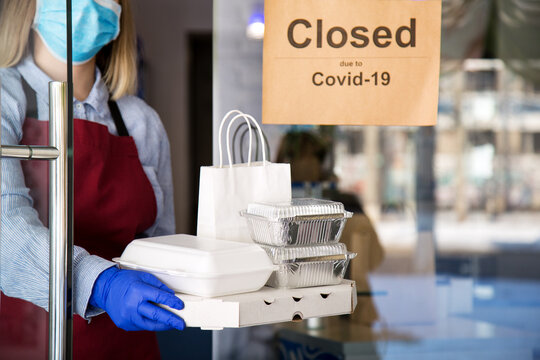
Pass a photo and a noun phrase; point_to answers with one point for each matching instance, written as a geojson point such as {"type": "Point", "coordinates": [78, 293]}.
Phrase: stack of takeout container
{"type": "Point", "coordinates": [302, 239]}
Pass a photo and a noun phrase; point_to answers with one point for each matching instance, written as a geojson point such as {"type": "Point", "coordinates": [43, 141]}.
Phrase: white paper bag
{"type": "Point", "coordinates": [226, 190]}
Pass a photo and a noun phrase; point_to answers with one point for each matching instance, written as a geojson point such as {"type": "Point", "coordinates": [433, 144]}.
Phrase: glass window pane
{"type": "Point", "coordinates": [445, 218]}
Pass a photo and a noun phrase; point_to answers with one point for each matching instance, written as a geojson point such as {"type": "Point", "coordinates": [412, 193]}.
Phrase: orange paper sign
{"type": "Point", "coordinates": [351, 62]}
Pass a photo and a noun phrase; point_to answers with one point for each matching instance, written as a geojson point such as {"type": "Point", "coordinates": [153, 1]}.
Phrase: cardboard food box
{"type": "Point", "coordinates": [267, 306]}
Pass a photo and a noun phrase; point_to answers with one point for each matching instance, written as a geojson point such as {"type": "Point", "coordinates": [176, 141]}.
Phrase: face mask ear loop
{"type": "Point", "coordinates": [228, 138]}
{"type": "Point", "coordinates": [223, 121]}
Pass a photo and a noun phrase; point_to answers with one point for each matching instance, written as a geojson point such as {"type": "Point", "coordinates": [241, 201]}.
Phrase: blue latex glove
{"type": "Point", "coordinates": [130, 298]}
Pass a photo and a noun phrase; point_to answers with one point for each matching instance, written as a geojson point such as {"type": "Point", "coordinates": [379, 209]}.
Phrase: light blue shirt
{"type": "Point", "coordinates": [24, 243]}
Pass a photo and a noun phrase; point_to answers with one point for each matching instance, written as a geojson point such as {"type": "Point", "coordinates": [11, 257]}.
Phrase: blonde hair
{"type": "Point", "coordinates": [117, 60]}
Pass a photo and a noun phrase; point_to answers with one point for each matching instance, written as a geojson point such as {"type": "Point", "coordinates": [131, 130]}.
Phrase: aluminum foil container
{"type": "Point", "coordinates": [307, 266]}
{"type": "Point", "coordinates": [296, 223]}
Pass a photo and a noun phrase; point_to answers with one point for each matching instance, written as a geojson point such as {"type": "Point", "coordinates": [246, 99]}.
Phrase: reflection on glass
{"type": "Point", "coordinates": [446, 218]}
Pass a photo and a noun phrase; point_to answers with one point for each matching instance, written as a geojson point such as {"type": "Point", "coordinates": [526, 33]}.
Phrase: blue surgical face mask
{"type": "Point", "coordinates": [95, 24]}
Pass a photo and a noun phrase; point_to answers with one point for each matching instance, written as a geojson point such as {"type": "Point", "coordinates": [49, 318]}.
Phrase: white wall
{"type": "Point", "coordinates": [163, 26]}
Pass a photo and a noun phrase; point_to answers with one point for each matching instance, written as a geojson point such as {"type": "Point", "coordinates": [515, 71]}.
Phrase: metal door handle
{"type": "Point", "coordinates": [60, 312]}
{"type": "Point", "coordinates": [29, 152]}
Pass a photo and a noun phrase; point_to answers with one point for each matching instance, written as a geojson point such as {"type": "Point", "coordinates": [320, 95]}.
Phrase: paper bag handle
{"type": "Point", "coordinates": [238, 112]}
{"type": "Point", "coordinates": [247, 118]}
{"type": "Point", "coordinates": [261, 137]}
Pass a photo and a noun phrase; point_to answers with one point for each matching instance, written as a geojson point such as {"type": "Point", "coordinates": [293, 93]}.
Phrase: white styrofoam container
{"type": "Point", "coordinates": [200, 266]}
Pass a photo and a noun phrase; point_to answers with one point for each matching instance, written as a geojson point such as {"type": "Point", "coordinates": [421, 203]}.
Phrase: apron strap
{"type": "Point", "coordinates": [31, 99]}
{"type": "Point", "coordinates": [118, 119]}
{"type": "Point", "coordinates": [32, 109]}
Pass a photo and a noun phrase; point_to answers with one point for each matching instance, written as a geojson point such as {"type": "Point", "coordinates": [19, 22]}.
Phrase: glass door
{"type": "Point", "coordinates": [34, 74]}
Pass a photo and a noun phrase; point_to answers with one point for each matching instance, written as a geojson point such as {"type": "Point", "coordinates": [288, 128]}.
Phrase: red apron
{"type": "Point", "coordinates": [113, 202]}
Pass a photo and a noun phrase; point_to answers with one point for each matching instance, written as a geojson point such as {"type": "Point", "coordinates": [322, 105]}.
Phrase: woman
{"type": "Point", "coordinates": [122, 177]}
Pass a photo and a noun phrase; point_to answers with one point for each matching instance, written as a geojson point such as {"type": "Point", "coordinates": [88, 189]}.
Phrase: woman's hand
{"type": "Point", "coordinates": [131, 297]}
